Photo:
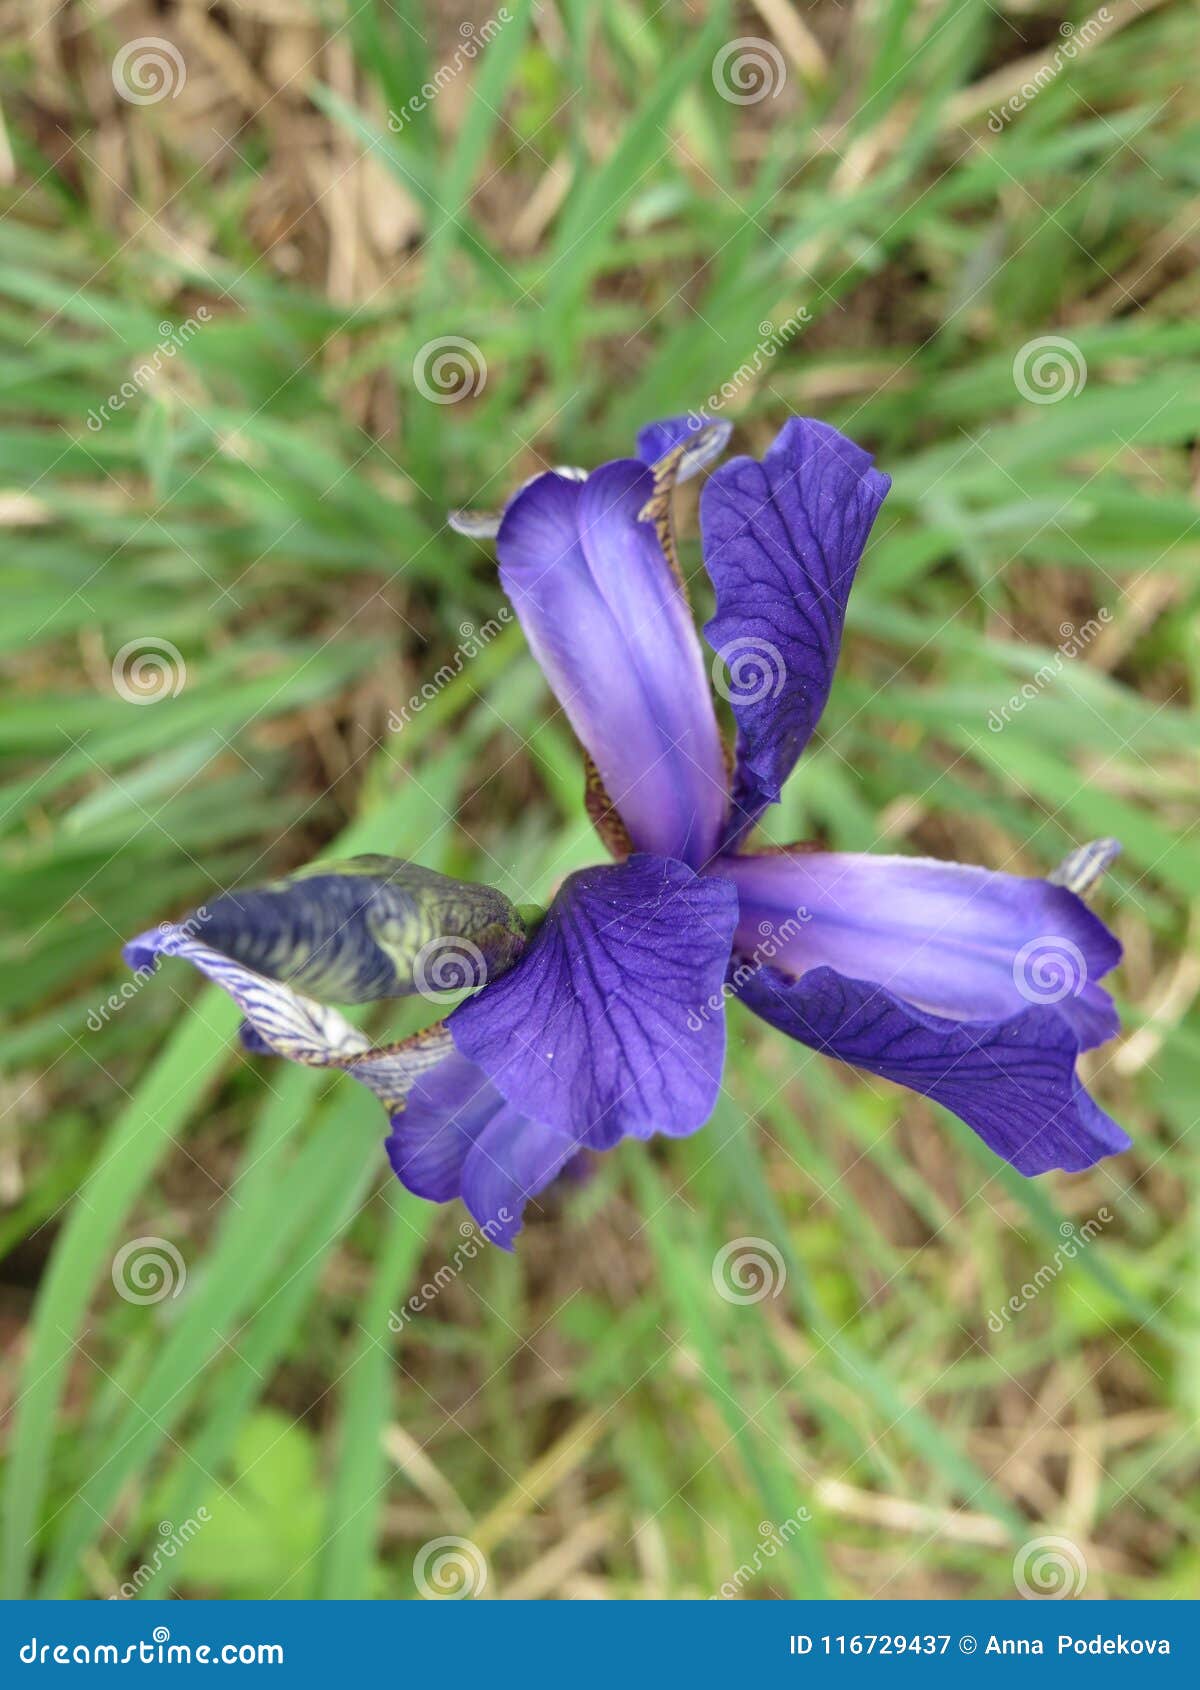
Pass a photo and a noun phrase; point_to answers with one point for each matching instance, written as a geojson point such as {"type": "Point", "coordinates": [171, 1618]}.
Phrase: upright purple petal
{"type": "Point", "coordinates": [782, 542]}
{"type": "Point", "coordinates": [613, 1024]}
{"type": "Point", "coordinates": [958, 941]}
{"type": "Point", "coordinates": [1013, 1081]}
{"type": "Point", "coordinates": [610, 626]}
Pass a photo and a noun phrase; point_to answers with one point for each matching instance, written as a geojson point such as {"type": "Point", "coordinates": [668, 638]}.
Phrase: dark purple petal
{"type": "Point", "coordinates": [704, 440]}
{"type": "Point", "coordinates": [958, 941]}
{"type": "Point", "coordinates": [782, 541]}
{"type": "Point", "coordinates": [613, 1023]}
{"type": "Point", "coordinates": [457, 1137]}
{"type": "Point", "coordinates": [609, 624]}
{"type": "Point", "coordinates": [1012, 1081]}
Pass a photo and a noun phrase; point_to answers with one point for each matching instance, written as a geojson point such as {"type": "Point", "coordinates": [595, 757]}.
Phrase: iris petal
{"type": "Point", "coordinates": [958, 941]}
{"type": "Point", "coordinates": [1013, 1081]}
{"type": "Point", "coordinates": [782, 542]}
{"type": "Point", "coordinates": [703, 439]}
{"type": "Point", "coordinates": [609, 625]}
{"type": "Point", "coordinates": [613, 1023]}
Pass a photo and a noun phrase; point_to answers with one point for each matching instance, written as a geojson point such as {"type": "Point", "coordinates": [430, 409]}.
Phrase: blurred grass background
{"type": "Point", "coordinates": [584, 203]}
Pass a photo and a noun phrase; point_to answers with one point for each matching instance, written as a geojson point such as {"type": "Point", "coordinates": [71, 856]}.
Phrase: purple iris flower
{"type": "Point", "coordinates": [604, 1018]}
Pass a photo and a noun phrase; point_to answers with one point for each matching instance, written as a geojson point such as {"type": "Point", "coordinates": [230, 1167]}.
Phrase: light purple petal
{"type": "Point", "coordinates": [782, 542]}
{"type": "Point", "coordinates": [609, 625]}
{"type": "Point", "coordinates": [961, 942]}
{"type": "Point", "coordinates": [613, 1024]}
{"type": "Point", "coordinates": [1012, 1081]}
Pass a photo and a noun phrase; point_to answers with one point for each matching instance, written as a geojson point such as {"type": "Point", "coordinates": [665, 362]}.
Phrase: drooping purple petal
{"type": "Point", "coordinates": [704, 440]}
{"type": "Point", "coordinates": [613, 1024]}
{"type": "Point", "coordinates": [609, 624]}
{"type": "Point", "coordinates": [958, 941]}
{"type": "Point", "coordinates": [457, 1137]}
{"type": "Point", "coordinates": [1013, 1081]}
{"type": "Point", "coordinates": [782, 542]}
